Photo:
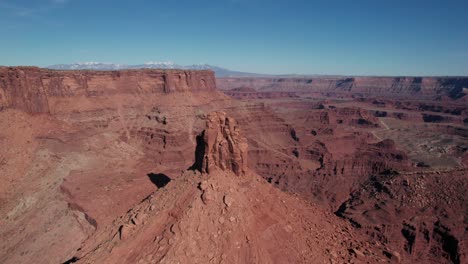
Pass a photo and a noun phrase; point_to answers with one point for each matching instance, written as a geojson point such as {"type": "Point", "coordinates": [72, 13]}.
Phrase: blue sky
{"type": "Point", "coordinates": [359, 37]}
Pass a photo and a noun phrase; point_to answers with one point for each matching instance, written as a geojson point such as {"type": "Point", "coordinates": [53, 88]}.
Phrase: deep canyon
{"type": "Point", "coordinates": [177, 166]}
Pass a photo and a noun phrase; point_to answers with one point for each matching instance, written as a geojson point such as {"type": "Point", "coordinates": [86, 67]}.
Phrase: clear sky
{"type": "Point", "coordinates": [359, 37]}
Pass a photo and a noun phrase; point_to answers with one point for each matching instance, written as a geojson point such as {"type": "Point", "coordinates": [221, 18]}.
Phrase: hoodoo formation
{"type": "Point", "coordinates": [161, 166]}
{"type": "Point", "coordinates": [222, 145]}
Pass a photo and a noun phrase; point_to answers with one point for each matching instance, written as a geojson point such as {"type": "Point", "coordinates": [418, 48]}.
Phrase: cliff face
{"type": "Point", "coordinates": [30, 88]}
{"type": "Point", "coordinates": [397, 87]}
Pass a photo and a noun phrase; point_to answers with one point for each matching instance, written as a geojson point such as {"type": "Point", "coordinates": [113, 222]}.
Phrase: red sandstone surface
{"type": "Point", "coordinates": [159, 166]}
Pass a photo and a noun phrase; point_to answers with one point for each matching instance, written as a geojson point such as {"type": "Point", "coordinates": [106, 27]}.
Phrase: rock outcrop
{"type": "Point", "coordinates": [420, 213]}
{"type": "Point", "coordinates": [221, 145]}
{"type": "Point", "coordinates": [32, 89]}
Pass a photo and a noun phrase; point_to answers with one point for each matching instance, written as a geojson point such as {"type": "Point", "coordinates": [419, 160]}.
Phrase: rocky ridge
{"type": "Point", "coordinates": [218, 217]}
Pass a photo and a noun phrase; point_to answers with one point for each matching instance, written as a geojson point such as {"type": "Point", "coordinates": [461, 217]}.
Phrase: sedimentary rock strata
{"type": "Point", "coordinates": [32, 89]}
{"type": "Point", "coordinates": [150, 166]}
{"type": "Point", "coordinates": [390, 87]}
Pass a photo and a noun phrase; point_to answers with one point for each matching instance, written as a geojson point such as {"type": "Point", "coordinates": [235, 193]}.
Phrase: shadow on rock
{"type": "Point", "coordinates": [159, 179]}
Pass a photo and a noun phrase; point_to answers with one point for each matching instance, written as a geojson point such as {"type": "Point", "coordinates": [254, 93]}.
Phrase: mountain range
{"type": "Point", "coordinates": [219, 71]}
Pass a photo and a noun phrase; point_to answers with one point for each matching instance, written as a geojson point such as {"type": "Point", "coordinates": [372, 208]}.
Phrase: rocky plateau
{"type": "Point", "coordinates": [177, 166]}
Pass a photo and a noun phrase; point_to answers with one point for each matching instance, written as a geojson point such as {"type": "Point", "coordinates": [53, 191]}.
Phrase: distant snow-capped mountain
{"type": "Point", "coordinates": [101, 66]}
{"type": "Point", "coordinates": [89, 66]}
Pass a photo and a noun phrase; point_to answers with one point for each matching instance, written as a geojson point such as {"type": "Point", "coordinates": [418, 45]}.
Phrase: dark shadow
{"type": "Point", "coordinates": [199, 153]}
{"type": "Point", "coordinates": [159, 179]}
{"type": "Point", "coordinates": [72, 260]}
{"type": "Point", "coordinates": [294, 135]}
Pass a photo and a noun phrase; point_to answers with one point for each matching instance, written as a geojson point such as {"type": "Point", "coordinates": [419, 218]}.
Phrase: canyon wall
{"type": "Point", "coordinates": [31, 89]}
{"type": "Point", "coordinates": [396, 87]}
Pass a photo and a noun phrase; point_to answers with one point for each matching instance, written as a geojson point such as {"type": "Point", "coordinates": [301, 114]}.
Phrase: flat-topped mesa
{"type": "Point", "coordinates": [221, 145]}
{"type": "Point", "coordinates": [428, 88]}
{"type": "Point", "coordinates": [31, 88]}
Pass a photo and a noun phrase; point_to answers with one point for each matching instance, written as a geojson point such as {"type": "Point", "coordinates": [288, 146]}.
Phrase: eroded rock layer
{"type": "Point", "coordinates": [95, 169]}
{"type": "Point", "coordinates": [32, 89]}
{"type": "Point", "coordinates": [396, 87]}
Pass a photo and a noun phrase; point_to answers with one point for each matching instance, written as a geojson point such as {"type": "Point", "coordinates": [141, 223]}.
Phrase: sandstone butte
{"type": "Point", "coordinates": [159, 166]}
